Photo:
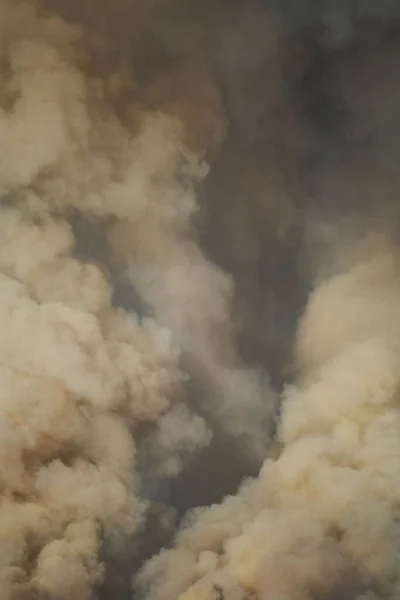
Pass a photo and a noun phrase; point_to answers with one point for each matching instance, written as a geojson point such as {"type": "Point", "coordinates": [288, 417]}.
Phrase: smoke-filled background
{"type": "Point", "coordinates": [199, 299]}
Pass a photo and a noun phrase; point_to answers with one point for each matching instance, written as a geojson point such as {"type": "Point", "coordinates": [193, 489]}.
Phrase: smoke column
{"type": "Point", "coordinates": [179, 183]}
{"type": "Point", "coordinates": [78, 377]}
{"type": "Point", "coordinates": [323, 516]}
{"type": "Point", "coordinates": [88, 389]}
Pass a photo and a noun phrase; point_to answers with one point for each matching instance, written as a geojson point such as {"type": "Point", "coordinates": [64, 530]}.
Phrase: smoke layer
{"type": "Point", "coordinates": [325, 512]}
{"type": "Point", "coordinates": [173, 158]}
{"type": "Point", "coordinates": [77, 376]}
{"type": "Point", "coordinates": [321, 521]}
{"type": "Point", "coordinates": [92, 407]}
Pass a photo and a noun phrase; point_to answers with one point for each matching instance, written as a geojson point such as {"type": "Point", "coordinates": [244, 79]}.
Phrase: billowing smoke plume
{"type": "Point", "coordinates": [172, 176]}
{"type": "Point", "coordinates": [77, 376]}
{"type": "Point", "coordinates": [88, 389]}
{"type": "Point", "coordinates": [324, 514]}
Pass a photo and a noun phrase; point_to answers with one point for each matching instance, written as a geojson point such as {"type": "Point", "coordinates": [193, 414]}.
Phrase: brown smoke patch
{"type": "Point", "coordinates": [294, 107]}
{"type": "Point", "coordinates": [352, 177]}
{"type": "Point", "coordinates": [120, 155]}
{"type": "Point", "coordinates": [327, 506]}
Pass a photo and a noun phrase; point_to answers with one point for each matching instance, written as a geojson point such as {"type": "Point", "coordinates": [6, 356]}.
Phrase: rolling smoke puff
{"type": "Point", "coordinates": [323, 516]}
{"type": "Point", "coordinates": [138, 180]}
{"type": "Point", "coordinates": [192, 297]}
{"type": "Point", "coordinates": [77, 375]}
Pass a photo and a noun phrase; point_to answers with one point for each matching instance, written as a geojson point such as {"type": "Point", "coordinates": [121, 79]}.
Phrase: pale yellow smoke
{"type": "Point", "coordinates": [77, 376]}
{"type": "Point", "coordinates": [324, 515]}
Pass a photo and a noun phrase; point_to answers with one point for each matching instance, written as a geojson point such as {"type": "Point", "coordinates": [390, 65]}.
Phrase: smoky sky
{"type": "Point", "coordinates": [294, 106]}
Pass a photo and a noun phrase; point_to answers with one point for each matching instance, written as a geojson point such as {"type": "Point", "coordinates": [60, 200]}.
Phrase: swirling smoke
{"type": "Point", "coordinates": [199, 291]}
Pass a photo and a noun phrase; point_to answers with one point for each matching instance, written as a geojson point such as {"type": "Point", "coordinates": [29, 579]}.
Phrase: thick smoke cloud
{"type": "Point", "coordinates": [92, 394]}
{"type": "Point", "coordinates": [78, 377]}
{"type": "Point", "coordinates": [174, 179]}
{"type": "Point", "coordinates": [321, 520]}
{"type": "Point", "coordinates": [326, 510]}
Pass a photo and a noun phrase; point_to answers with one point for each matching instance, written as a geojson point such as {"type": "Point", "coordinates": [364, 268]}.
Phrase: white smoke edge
{"type": "Point", "coordinates": [77, 376]}
{"type": "Point", "coordinates": [325, 513]}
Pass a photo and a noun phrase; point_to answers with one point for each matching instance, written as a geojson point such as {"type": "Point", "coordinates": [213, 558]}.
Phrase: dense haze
{"type": "Point", "coordinates": [199, 299]}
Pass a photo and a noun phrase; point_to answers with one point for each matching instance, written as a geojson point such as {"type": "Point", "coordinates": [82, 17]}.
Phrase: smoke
{"type": "Point", "coordinates": [326, 510]}
{"type": "Point", "coordinates": [174, 178]}
{"type": "Point", "coordinates": [93, 411]}
{"type": "Point", "coordinates": [320, 520]}
{"type": "Point", "coordinates": [149, 184]}
{"type": "Point", "coordinates": [78, 376]}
